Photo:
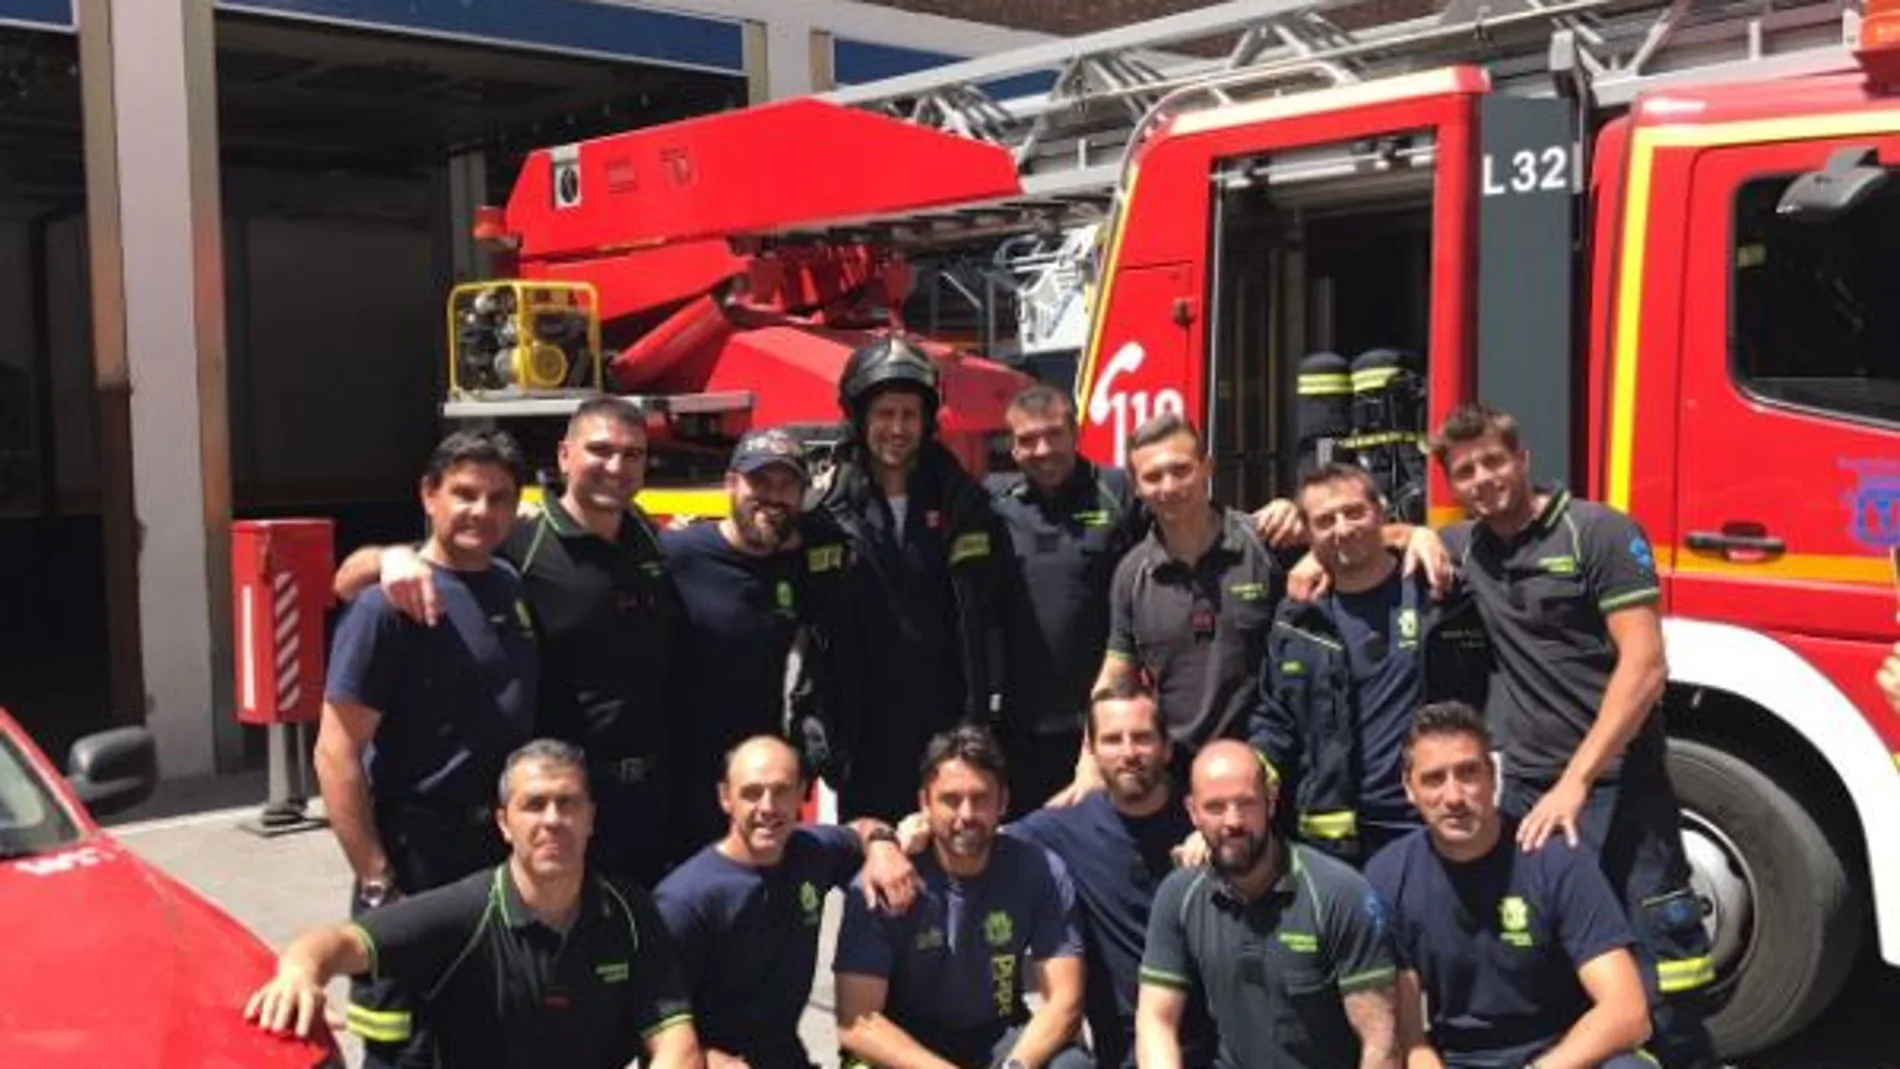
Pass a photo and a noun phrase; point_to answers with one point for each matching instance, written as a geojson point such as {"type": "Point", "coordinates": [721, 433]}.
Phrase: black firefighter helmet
{"type": "Point", "coordinates": [887, 362]}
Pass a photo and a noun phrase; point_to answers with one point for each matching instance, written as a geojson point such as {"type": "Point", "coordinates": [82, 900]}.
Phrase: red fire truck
{"type": "Point", "coordinates": [1658, 232]}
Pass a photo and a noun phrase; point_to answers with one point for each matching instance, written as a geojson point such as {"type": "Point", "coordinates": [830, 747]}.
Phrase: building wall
{"type": "Point", "coordinates": [1068, 18]}
{"type": "Point", "coordinates": [1061, 17]}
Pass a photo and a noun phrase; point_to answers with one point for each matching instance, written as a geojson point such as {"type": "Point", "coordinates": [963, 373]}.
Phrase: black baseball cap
{"type": "Point", "coordinates": [759, 449]}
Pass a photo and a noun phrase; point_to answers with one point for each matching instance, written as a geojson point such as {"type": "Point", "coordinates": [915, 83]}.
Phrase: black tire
{"type": "Point", "coordinates": [1804, 937]}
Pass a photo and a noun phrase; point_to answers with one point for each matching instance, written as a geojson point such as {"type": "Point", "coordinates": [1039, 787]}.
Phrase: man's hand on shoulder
{"type": "Point", "coordinates": [1088, 780]}
{"type": "Point", "coordinates": [1191, 853]}
{"type": "Point", "coordinates": [890, 881]}
{"type": "Point", "coordinates": [409, 583]}
{"type": "Point", "coordinates": [1308, 581]}
{"type": "Point", "coordinates": [1279, 524]}
{"type": "Point", "coordinates": [1425, 550]}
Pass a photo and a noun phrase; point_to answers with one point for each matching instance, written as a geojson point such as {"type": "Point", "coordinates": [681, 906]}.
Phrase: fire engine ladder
{"type": "Point", "coordinates": [1109, 88]}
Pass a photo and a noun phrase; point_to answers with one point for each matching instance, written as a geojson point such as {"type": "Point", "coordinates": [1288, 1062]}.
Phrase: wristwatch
{"type": "Point", "coordinates": [882, 835]}
{"type": "Point", "coordinates": [371, 894]}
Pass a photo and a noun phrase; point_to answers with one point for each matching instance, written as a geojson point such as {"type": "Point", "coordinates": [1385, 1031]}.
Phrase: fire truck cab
{"type": "Point", "coordinates": [1683, 286]}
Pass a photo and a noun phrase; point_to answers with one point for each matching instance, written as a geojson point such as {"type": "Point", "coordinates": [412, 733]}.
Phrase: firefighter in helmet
{"type": "Point", "coordinates": [917, 643]}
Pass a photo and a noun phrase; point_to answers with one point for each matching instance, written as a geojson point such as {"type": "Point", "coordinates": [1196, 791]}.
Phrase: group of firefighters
{"type": "Point", "coordinates": [1260, 817]}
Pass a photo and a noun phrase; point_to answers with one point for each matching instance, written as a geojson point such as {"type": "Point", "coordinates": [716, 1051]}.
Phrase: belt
{"type": "Point", "coordinates": [627, 771]}
{"type": "Point", "coordinates": [479, 816]}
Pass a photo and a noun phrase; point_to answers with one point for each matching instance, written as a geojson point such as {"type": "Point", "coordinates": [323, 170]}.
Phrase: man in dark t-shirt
{"type": "Point", "coordinates": [607, 620]}
{"type": "Point", "coordinates": [945, 981]}
{"type": "Point", "coordinates": [1522, 958]}
{"type": "Point", "coordinates": [1118, 844]}
{"type": "Point", "coordinates": [1571, 600]}
{"type": "Point", "coordinates": [745, 911]}
{"type": "Point", "coordinates": [752, 585]}
{"type": "Point", "coordinates": [418, 720]}
{"type": "Point", "coordinates": [1067, 522]}
{"type": "Point", "coordinates": [534, 962]}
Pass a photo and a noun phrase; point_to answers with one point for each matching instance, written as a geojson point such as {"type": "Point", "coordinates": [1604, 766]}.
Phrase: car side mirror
{"type": "Point", "coordinates": [114, 770]}
{"type": "Point", "coordinates": [1850, 177]}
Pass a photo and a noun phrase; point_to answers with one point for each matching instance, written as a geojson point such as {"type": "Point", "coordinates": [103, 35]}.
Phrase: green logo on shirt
{"type": "Point", "coordinates": [1558, 565]}
{"type": "Point", "coordinates": [808, 901]}
{"type": "Point", "coordinates": [930, 938]}
{"type": "Point", "coordinates": [1514, 918]}
{"type": "Point", "coordinates": [824, 558]}
{"type": "Point", "coordinates": [1408, 625]}
{"type": "Point", "coordinates": [783, 595]}
{"type": "Point", "coordinates": [1302, 942]}
{"type": "Point", "coordinates": [1092, 518]}
{"type": "Point", "coordinates": [998, 929]}
{"type": "Point", "coordinates": [611, 972]}
{"type": "Point", "coordinates": [1249, 591]}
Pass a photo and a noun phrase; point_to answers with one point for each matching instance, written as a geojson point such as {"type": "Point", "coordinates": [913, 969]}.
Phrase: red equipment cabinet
{"type": "Point", "coordinates": [280, 590]}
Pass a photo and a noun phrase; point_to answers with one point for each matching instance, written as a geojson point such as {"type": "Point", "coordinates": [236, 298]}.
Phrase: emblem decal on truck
{"type": "Point", "coordinates": [1873, 505]}
{"type": "Point", "coordinates": [1129, 409]}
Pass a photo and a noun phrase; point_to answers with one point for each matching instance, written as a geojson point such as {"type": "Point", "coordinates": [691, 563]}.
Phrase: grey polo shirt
{"type": "Point", "coordinates": [1276, 969]}
{"type": "Point", "coordinates": [1546, 595]}
{"type": "Point", "coordinates": [1199, 630]}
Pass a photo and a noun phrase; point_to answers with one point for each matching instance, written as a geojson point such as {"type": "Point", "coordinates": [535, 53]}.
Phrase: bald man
{"type": "Point", "coordinates": [745, 911]}
{"type": "Point", "coordinates": [1289, 944]}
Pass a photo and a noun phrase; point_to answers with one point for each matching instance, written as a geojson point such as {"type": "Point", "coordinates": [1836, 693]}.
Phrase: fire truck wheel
{"type": "Point", "coordinates": [1783, 916]}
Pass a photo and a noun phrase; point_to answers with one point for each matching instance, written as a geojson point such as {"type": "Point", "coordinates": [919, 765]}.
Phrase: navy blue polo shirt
{"type": "Point", "coordinates": [454, 699]}
{"type": "Point", "coordinates": [1117, 862]}
{"type": "Point", "coordinates": [957, 962]}
{"type": "Point", "coordinates": [1382, 655]}
{"type": "Point", "coordinates": [1497, 942]}
{"type": "Point", "coordinates": [1545, 595]}
{"type": "Point", "coordinates": [1063, 550]}
{"type": "Point", "coordinates": [748, 940]}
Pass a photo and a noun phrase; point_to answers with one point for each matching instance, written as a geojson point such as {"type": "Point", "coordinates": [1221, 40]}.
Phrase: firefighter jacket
{"type": "Point", "coordinates": [1306, 722]}
{"type": "Point", "coordinates": [830, 709]}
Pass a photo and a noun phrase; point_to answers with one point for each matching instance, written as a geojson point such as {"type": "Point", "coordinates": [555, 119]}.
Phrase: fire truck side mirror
{"type": "Point", "coordinates": [1850, 177]}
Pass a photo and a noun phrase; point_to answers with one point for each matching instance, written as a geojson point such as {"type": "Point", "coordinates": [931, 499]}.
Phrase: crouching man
{"type": "Point", "coordinates": [534, 962]}
{"type": "Point", "coordinates": [1524, 958]}
{"type": "Point", "coordinates": [941, 987]}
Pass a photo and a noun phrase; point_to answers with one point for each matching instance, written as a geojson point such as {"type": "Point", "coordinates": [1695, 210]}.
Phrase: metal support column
{"type": "Point", "coordinates": [150, 103]}
{"type": "Point", "coordinates": [468, 190]}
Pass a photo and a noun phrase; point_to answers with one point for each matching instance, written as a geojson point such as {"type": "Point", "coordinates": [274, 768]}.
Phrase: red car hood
{"type": "Point", "coordinates": [110, 962]}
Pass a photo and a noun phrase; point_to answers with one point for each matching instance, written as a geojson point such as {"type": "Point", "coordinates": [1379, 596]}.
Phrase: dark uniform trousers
{"type": "Point", "coordinates": [1519, 1060]}
{"type": "Point", "coordinates": [635, 836]}
{"type": "Point", "coordinates": [428, 848]}
{"type": "Point", "coordinates": [1072, 1056]}
{"type": "Point", "coordinates": [1633, 827]}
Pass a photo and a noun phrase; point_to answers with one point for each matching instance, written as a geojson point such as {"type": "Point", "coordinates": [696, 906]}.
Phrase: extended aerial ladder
{"type": "Point", "coordinates": [804, 214]}
{"type": "Point", "coordinates": [1070, 142]}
